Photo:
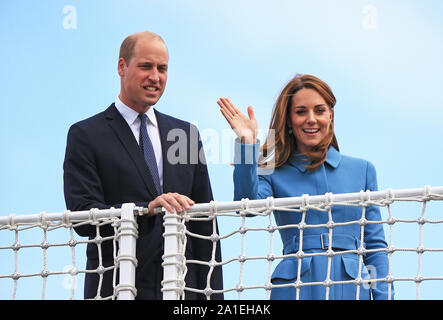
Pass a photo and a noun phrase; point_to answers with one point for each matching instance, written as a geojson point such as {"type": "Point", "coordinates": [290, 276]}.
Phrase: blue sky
{"type": "Point", "coordinates": [384, 67]}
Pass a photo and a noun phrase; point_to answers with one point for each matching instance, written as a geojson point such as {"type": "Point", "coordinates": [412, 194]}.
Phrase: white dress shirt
{"type": "Point", "coordinates": [131, 117]}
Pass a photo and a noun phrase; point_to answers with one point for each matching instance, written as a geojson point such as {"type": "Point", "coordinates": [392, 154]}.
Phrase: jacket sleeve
{"type": "Point", "coordinates": [376, 262]}
{"type": "Point", "coordinates": [247, 182]}
{"type": "Point", "coordinates": [83, 188]}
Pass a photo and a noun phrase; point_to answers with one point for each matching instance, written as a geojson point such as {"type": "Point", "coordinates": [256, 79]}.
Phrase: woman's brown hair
{"type": "Point", "coordinates": [282, 143]}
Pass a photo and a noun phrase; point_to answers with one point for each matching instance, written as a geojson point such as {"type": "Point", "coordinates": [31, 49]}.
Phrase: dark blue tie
{"type": "Point", "coordinates": [148, 151]}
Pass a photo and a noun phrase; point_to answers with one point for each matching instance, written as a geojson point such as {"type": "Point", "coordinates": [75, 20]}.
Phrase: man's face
{"type": "Point", "coordinates": [143, 80]}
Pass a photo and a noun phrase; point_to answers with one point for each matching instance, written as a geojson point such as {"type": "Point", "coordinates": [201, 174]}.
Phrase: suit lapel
{"type": "Point", "coordinates": [165, 126]}
{"type": "Point", "coordinates": [126, 137]}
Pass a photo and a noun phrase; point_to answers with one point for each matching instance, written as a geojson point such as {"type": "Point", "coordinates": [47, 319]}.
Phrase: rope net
{"type": "Point", "coordinates": [252, 246]}
{"type": "Point", "coordinates": [43, 257]}
{"type": "Point", "coordinates": [44, 251]}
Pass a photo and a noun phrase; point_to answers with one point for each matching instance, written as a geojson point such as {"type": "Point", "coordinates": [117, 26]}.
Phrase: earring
{"type": "Point", "coordinates": [290, 131]}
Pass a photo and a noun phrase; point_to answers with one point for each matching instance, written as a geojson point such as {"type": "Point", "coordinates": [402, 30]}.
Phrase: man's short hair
{"type": "Point", "coordinates": [128, 44]}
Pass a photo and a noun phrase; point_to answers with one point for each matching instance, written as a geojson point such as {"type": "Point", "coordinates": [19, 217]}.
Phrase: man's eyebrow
{"type": "Point", "coordinates": [144, 63]}
{"type": "Point", "coordinates": [149, 63]}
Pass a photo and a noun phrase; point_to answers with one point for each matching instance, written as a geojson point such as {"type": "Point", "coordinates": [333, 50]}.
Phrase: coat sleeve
{"type": "Point", "coordinates": [376, 262]}
{"type": "Point", "coordinates": [247, 182]}
{"type": "Point", "coordinates": [82, 184]}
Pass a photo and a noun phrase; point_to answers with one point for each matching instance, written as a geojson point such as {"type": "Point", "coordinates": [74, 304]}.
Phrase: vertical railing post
{"type": "Point", "coordinates": [170, 282]}
{"type": "Point", "coordinates": [126, 258]}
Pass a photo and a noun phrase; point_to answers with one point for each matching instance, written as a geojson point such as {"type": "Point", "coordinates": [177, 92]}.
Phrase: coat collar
{"type": "Point", "coordinates": [299, 161]}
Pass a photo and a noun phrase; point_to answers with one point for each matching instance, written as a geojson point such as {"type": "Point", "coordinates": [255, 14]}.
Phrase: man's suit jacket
{"type": "Point", "coordinates": [104, 167]}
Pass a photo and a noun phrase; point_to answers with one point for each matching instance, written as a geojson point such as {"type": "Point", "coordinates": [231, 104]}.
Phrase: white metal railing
{"type": "Point", "coordinates": [125, 229]}
{"type": "Point", "coordinates": [176, 234]}
{"type": "Point", "coordinates": [176, 288]}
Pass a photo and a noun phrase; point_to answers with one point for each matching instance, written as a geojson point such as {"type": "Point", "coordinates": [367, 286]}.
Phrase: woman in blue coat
{"type": "Point", "coordinates": [305, 159]}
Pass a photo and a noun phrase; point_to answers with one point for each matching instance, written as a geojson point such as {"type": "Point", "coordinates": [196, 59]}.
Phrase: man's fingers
{"type": "Point", "coordinates": [159, 203]}
{"type": "Point", "coordinates": [171, 202]}
{"type": "Point", "coordinates": [180, 201]}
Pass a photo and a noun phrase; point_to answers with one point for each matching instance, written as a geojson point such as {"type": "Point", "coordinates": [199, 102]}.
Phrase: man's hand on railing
{"type": "Point", "coordinates": [170, 201]}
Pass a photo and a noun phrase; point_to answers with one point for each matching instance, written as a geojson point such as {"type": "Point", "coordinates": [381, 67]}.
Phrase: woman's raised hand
{"type": "Point", "coordinates": [245, 128]}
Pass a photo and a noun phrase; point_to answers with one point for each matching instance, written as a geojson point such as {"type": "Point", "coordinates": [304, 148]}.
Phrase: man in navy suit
{"type": "Point", "coordinates": [105, 167]}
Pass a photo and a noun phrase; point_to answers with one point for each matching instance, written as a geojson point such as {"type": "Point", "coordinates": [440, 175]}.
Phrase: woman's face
{"type": "Point", "coordinates": [310, 118]}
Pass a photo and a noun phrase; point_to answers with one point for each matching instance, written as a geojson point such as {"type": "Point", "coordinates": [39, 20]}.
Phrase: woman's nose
{"type": "Point", "coordinates": [311, 117]}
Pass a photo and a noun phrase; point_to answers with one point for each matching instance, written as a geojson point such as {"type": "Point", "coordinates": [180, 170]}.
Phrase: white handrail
{"type": "Point", "coordinates": [316, 199]}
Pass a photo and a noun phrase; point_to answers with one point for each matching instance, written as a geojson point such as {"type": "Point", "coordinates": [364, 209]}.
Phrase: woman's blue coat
{"type": "Point", "coordinates": [339, 174]}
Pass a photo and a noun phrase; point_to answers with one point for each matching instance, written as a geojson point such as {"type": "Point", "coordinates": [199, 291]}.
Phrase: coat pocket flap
{"type": "Point", "coordinates": [351, 266]}
{"type": "Point", "coordinates": [287, 269]}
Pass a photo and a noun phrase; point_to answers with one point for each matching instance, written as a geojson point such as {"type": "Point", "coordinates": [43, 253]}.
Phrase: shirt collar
{"type": "Point", "coordinates": [333, 158]}
{"type": "Point", "coordinates": [151, 116]}
{"type": "Point", "coordinates": [130, 115]}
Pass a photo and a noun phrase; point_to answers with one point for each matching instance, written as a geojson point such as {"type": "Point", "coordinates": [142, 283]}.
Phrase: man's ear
{"type": "Point", "coordinates": [121, 67]}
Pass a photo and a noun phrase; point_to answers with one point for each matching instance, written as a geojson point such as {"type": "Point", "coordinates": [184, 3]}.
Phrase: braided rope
{"type": "Point", "coordinates": [247, 209]}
